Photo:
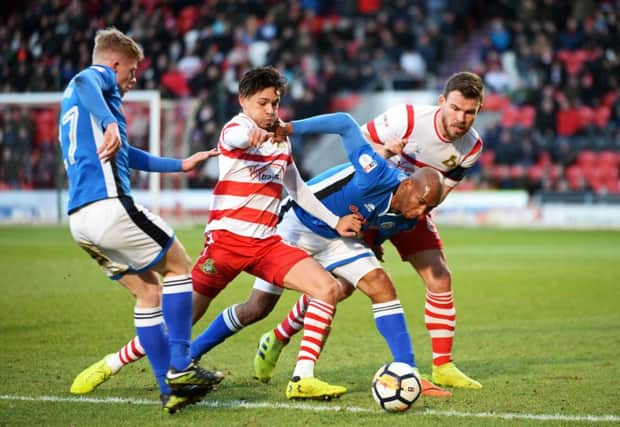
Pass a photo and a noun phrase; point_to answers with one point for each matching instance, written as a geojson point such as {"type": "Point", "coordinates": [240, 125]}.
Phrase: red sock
{"type": "Point", "coordinates": [294, 320]}
{"type": "Point", "coordinates": [440, 319]}
{"type": "Point", "coordinates": [317, 324]}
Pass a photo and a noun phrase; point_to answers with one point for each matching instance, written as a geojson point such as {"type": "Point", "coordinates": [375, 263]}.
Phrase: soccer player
{"type": "Point", "coordinates": [131, 244]}
{"type": "Point", "coordinates": [443, 138]}
{"type": "Point", "coordinates": [240, 235]}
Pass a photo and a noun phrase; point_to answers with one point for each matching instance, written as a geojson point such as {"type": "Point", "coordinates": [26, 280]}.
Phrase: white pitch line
{"type": "Point", "coordinates": [321, 408]}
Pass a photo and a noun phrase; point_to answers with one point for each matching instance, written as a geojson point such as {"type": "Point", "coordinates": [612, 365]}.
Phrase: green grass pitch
{"type": "Point", "coordinates": [538, 324]}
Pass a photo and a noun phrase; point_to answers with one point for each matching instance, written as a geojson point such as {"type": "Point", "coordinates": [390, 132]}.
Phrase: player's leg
{"type": "Point", "coordinates": [272, 343]}
{"type": "Point", "coordinates": [423, 249]}
{"type": "Point", "coordinates": [232, 319]}
{"type": "Point", "coordinates": [309, 277]}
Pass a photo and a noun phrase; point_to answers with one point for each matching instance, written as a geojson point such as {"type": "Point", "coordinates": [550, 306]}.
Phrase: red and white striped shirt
{"type": "Point", "coordinates": [246, 199]}
{"type": "Point", "coordinates": [424, 146]}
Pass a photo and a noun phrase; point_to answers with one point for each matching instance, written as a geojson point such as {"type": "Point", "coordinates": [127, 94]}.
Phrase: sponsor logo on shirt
{"type": "Point", "coordinates": [367, 162]}
{"type": "Point", "coordinates": [369, 207]}
{"type": "Point", "coordinates": [270, 172]}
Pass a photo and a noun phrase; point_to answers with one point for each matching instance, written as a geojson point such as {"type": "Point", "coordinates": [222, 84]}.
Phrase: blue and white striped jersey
{"type": "Point", "coordinates": [90, 102]}
{"type": "Point", "coordinates": [365, 185]}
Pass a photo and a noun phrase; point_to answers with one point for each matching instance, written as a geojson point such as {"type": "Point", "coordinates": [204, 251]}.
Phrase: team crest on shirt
{"type": "Point", "coordinates": [450, 163]}
{"type": "Point", "coordinates": [209, 266]}
{"type": "Point", "coordinates": [367, 162]}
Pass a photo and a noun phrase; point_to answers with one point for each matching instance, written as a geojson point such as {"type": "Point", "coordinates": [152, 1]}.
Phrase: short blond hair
{"type": "Point", "coordinates": [112, 40]}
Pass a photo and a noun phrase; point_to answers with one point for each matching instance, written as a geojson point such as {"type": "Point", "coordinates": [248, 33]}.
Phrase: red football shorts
{"type": "Point", "coordinates": [423, 237]}
{"type": "Point", "coordinates": [226, 254]}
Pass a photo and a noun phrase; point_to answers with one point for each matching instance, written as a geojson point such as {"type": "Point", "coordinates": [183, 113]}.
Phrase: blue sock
{"type": "Point", "coordinates": [390, 321]}
{"type": "Point", "coordinates": [152, 333]}
{"type": "Point", "coordinates": [176, 301]}
{"type": "Point", "coordinates": [222, 327]}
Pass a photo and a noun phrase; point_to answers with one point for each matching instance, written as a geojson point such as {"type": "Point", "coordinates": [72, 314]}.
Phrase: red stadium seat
{"type": "Point", "coordinates": [586, 159]}
{"type": "Point", "coordinates": [587, 115]}
{"type": "Point", "coordinates": [510, 116]}
{"type": "Point", "coordinates": [487, 158]}
{"type": "Point", "coordinates": [544, 159]}
{"type": "Point", "coordinates": [517, 171]}
{"type": "Point", "coordinates": [575, 177]}
{"type": "Point", "coordinates": [495, 102]}
{"type": "Point", "coordinates": [527, 116]}
{"type": "Point", "coordinates": [608, 159]}
{"type": "Point", "coordinates": [535, 173]}
{"type": "Point", "coordinates": [602, 116]}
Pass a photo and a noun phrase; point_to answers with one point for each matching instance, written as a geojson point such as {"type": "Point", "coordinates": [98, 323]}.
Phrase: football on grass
{"type": "Point", "coordinates": [396, 387]}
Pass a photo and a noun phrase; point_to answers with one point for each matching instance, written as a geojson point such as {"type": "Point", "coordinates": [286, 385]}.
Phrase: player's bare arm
{"type": "Point", "coordinates": [196, 159]}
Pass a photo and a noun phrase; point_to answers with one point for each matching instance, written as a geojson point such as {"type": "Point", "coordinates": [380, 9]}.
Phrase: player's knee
{"type": "Point", "coordinates": [345, 289]}
{"type": "Point", "coordinates": [440, 280]}
{"type": "Point", "coordinates": [378, 286]}
{"type": "Point", "coordinates": [328, 291]}
{"type": "Point", "coordinates": [148, 296]}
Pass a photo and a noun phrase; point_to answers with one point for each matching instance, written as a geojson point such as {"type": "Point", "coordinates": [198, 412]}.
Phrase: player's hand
{"type": "Point", "coordinates": [256, 136]}
{"type": "Point", "coordinates": [349, 225]}
{"type": "Point", "coordinates": [196, 159]}
{"type": "Point", "coordinates": [394, 146]}
{"type": "Point", "coordinates": [111, 143]}
{"type": "Point", "coordinates": [378, 251]}
{"type": "Point", "coordinates": [281, 130]}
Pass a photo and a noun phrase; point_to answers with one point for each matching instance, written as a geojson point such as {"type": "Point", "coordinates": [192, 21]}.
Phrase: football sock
{"type": "Point", "coordinates": [440, 319]}
{"type": "Point", "coordinates": [294, 320]}
{"type": "Point", "coordinates": [317, 323]}
{"type": "Point", "coordinates": [224, 325]}
{"type": "Point", "coordinates": [151, 331]}
{"type": "Point", "coordinates": [129, 353]}
{"type": "Point", "coordinates": [177, 309]}
{"type": "Point", "coordinates": [390, 321]}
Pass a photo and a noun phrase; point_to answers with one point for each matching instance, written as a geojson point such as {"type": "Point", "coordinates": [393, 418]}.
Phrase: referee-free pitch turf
{"type": "Point", "coordinates": [538, 324]}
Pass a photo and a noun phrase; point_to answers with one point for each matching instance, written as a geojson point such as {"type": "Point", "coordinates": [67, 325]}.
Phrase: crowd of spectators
{"type": "Point", "coordinates": [552, 72]}
{"type": "Point", "coordinates": [551, 69]}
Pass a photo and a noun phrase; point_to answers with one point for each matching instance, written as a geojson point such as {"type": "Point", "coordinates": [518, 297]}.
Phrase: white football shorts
{"type": "Point", "coordinates": [345, 257]}
{"type": "Point", "coordinates": [121, 236]}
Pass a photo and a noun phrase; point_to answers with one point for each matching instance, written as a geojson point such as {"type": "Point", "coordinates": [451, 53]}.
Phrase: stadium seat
{"type": "Point", "coordinates": [586, 159]}
{"type": "Point", "coordinates": [587, 115]}
{"type": "Point", "coordinates": [527, 116]}
{"type": "Point", "coordinates": [544, 159]}
{"type": "Point", "coordinates": [510, 117]}
{"type": "Point", "coordinates": [487, 158]}
{"type": "Point", "coordinates": [495, 102]}
{"type": "Point", "coordinates": [575, 177]}
{"type": "Point", "coordinates": [608, 159]}
{"type": "Point", "coordinates": [602, 115]}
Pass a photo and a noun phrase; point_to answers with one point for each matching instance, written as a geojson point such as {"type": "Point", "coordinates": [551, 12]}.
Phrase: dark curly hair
{"type": "Point", "coordinates": [258, 79]}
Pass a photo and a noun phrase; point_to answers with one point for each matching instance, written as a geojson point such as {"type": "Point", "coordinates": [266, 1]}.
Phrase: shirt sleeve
{"type": "Point", "coordinates": [342, 124]}
{"type": "Point", "coordinates": [89, 86]}
{"type": "Point", "coordinates": [301, 193]}
{"type": "Point", "coordinates": [235, 134]}
{"type": "Point", "coordinates": [395, 122]}
{"type": "Point", "coordinates": [141, 160]}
